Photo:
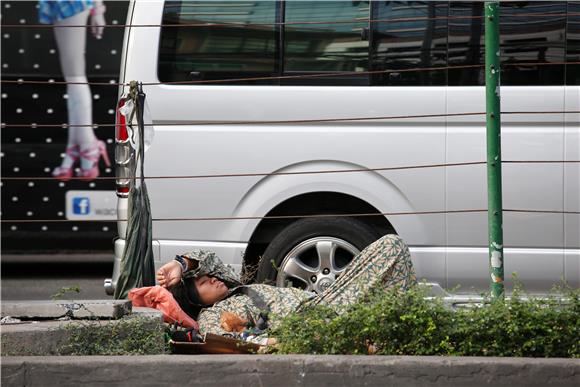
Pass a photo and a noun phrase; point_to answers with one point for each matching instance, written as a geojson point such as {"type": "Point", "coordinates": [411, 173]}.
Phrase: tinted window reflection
{"type": "Point", "coordinates": [532, 42]}
{"type": "Point", "coordinates": [403, 44]}
{"type": "Point", "coordinates": [340, 46]}
{"type": "Point", "coordinates": [466, 43]}
{"type": "Point", "coordinates": [236, 48]}
{"type": "Point", "coordinates": [242, 40]}
{"type": "Point", "coordinates": [533, 32]}
{"type": "Point", "coordinates": [573, 43]}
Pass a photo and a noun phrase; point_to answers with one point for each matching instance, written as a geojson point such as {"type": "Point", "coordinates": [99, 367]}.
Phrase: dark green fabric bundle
{"type": "Point", "coordinates": [137, 268]}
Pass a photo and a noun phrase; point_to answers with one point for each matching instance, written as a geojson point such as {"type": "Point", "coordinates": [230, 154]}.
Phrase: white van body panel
{"type": "Point", "coordinates": [316, 143]}
{"type": "Point", "coordinates": [572, 186]}
{"type": "Point", "coordinates": [530, 137]}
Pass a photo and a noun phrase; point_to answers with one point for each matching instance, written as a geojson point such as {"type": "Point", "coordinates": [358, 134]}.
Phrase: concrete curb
{"type": "Point", "coordinates": [55, 309]}
{"type": "Point", "coordinates": [288, 370]}
{"type": "Point", "coordinates": [50, 337]}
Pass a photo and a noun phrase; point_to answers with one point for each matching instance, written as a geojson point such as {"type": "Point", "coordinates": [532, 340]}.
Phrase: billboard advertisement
{"type": "Point", "coordinates": [60, 64]}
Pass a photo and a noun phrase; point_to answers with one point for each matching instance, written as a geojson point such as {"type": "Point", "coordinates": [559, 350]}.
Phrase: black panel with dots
{"type": "Point", "coordinates": [31, 54]}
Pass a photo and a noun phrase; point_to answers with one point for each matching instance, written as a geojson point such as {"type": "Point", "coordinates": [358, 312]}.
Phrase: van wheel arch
{"type": "Point", "coordinates": [312, 253]}
{"type": "Point", "coordinates": [314, 203]}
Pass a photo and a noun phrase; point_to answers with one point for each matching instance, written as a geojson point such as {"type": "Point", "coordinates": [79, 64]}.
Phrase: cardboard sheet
{"type": "Point", "coordinates": [214, 344]}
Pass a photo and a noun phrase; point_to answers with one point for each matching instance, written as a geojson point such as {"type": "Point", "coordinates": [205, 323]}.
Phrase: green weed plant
{"type": "Point", "coordinates": [127, 336]}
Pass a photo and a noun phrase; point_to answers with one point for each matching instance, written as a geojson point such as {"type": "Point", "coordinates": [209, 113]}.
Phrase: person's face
{"type": "Point", "coordinates": [210, 289]}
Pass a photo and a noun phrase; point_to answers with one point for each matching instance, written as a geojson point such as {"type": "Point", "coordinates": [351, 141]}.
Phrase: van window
{"type": "Point", "coordinates": [401, 44]}
{"type": "Point", "coordinates": [466, 34]}
{"type": "Point", "coordinates": [339, 46]}
{"type": "Point", "coordinates": [532, 32]}
{"type": "Point", "coordinates": [239, 39]}
{"type": "Point", "coordinates": [537, 37]}
{"type": "Point", "coordinates": [242, 43]}
{"type": "Point", "coordinates": [573, 43]}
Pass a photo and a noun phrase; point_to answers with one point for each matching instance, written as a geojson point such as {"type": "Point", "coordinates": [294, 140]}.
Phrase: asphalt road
{"type": "Point", "coordinates": [39, 277]}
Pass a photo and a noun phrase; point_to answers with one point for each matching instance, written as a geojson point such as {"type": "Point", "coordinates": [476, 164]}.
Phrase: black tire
{"type": "Point", "coordinates": [350, 230]}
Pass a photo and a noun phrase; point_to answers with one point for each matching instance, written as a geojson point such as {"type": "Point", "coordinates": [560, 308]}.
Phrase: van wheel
{"type": "Point", "coordinates": [312, 253]}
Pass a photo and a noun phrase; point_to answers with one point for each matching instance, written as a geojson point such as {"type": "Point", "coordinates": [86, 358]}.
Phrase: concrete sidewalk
{"type": "Point", "coordinates": [287, 370]}
{"type": "Point", "coordinates": [46, 336]}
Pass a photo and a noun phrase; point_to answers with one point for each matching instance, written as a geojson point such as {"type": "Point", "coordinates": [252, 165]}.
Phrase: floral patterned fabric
{"type": "Point", "coordinates": [279, 301]}
{"type": "Point", "coordinates": [385, 263]}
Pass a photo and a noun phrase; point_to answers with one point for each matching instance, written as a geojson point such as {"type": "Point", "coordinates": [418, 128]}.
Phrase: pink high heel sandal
{"type": "Point", "coordinates": [93, 154]}
{"type": "Point", "coordinates": [64, 174]}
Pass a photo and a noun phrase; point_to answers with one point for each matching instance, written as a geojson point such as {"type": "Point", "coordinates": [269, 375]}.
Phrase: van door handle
{"type": "Point", "coordinates": [195, 75]}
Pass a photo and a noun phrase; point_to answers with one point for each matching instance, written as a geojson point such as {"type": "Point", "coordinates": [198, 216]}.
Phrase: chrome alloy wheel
{"type": "Point", "coordinates": [316, 263]}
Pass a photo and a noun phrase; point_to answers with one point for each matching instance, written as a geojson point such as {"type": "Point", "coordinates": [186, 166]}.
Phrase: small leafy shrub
{"type": "Point", "coordinates": [533, 327]}
{"type": "Point", "coordinates": [127, 336]}
{"type": "Point", "coordinates": [409, 323]}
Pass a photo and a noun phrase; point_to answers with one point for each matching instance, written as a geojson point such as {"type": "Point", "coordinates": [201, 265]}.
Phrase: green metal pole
{"type": "Point", "coordinates": [492, 92]}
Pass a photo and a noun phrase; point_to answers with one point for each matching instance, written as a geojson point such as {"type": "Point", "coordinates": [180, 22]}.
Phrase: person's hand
{"type": "Point", "coordinates": [98, 20]}
{"type": "Point", "coordinates": [169, 274]}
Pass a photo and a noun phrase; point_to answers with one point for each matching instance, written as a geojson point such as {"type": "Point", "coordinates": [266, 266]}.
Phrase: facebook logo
{"type": "Point", "coordinates": [81, 206]}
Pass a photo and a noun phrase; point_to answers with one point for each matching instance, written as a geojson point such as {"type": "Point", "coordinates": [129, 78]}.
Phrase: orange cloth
{"type": "Point", "coordinates": [161, 299]}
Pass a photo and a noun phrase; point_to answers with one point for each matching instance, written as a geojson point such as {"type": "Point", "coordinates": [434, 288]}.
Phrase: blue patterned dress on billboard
{"type": "Point", "coordinates": [50, 11]}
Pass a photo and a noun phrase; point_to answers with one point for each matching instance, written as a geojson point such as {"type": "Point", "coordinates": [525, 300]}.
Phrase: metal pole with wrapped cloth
{"type": "Point", "coordinates": [137, 268]}
{"type": "Point", "coordinates": [493, 108]}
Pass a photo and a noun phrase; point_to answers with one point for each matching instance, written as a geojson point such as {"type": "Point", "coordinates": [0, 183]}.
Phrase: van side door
{"type": "Point", "coordinates": [532, 55]}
